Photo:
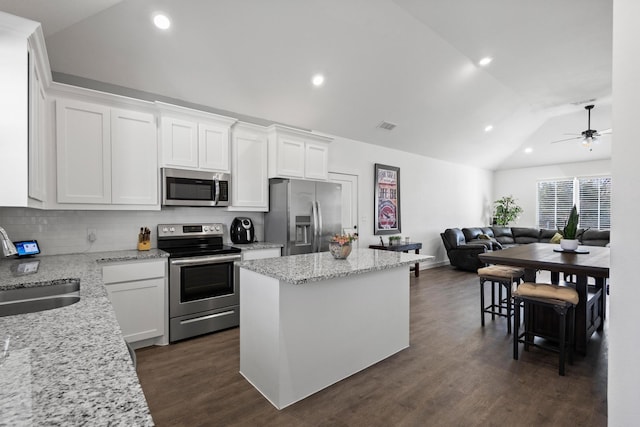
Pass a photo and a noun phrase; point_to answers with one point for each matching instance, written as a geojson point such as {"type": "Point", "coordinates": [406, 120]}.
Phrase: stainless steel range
{"type": "Point", "coordinates": [203, 287]}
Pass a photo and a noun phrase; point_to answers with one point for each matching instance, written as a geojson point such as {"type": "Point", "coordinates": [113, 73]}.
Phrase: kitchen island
{"type": "Point", "coordinates": [69, 365]}
{"type": "Point", "coordinates": [309, 321]}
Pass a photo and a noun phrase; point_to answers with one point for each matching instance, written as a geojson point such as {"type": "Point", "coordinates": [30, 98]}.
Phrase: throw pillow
{"type": "Point", "coordinates": [484, 237]}
{"type": "Point", "coordinates": [556, 238]}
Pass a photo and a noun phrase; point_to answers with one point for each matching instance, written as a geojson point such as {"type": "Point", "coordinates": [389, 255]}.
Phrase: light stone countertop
{"type": "Point", "coordinates": [301, 269]}
{"type": "Point", "coordinates": [70, 365]}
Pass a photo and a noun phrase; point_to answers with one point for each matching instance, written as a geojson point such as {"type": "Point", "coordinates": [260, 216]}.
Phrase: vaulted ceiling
{"type": "Point", "coordinates": [413, 63]}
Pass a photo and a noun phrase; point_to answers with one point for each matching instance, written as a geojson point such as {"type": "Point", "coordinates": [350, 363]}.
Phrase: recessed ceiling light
{"type": "Point", "coordinates": [528, 150]}
{"type": "Point", "coordinates": [488, 128]}
{"type": "Point", "coordinates": [485, 61]}
{"type": "Point", "coordinates": [161, 21]}
{"type": "Point", "coordinates": [317, 80]}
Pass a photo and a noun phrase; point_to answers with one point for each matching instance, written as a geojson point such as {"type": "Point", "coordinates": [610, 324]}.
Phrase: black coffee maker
{"type": "Point", "coordinates": [242, 230]}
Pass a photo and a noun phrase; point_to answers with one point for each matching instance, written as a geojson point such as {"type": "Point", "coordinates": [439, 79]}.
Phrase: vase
{"type": "Point", "coordinates": [569, 244]}
{"type": "Point", "coordinates": [340, 251]}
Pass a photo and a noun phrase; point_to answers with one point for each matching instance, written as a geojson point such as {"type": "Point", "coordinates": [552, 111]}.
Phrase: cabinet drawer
{"type": "Point", "coordinates": [260, 254]}
{"type": "Point", "coordinates": [130, 271]}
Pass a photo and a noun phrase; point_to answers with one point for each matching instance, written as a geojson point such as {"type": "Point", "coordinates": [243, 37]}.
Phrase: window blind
{"type": "Point", "coordinates": [592, 196]}
{"type": "Point", "coordinates": [595, 203]}
{"type": "Point", "coordinates": [555, 201]}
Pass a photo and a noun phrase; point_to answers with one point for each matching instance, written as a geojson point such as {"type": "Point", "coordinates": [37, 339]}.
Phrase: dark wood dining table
{"type": "Point", "coordinates": [545, 256]}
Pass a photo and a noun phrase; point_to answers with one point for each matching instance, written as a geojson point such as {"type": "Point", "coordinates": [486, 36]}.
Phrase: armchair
{"type": "Point", "coordinates": [461, 254]}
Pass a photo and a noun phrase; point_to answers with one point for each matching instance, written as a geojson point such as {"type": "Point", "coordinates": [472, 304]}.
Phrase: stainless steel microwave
{"type": "Point", "coordinates": [181, 187]}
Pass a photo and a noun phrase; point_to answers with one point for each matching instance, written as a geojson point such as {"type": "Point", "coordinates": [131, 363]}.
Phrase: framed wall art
{"type": "Point", "coordinates": [386, 199]}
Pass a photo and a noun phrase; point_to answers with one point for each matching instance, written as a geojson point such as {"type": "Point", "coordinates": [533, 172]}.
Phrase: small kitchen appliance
{"type": "Point", "coordinates": [242, 230]}
{"type": "Point", "coordinates": [203, 281]}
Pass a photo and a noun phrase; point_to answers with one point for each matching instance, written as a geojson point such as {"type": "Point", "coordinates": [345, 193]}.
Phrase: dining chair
{"type": "Point", "coordinates": [562, 300]}
{"type": "Point", "coordinates": [503, 277]}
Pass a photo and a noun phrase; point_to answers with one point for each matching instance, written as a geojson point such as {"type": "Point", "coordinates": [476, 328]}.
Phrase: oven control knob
{"type": "Point", "coordinates": [164, 229]}
{"type": "Point", "coordinates": [217, 228]}
{"type": "Point", "coordinates": [206, 228]}
{"type": "Point", "coordinates": [172, 229]}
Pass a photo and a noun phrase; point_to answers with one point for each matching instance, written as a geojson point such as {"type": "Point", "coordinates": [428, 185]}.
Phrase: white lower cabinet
{"type": "Point", "coordinates": [252, 254]}
{"type": "Point", "coordinates": [138, 292]}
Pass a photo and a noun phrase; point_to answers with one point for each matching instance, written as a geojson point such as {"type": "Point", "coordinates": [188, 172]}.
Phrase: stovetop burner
{"type": "Point", "coordinates": [189, 240]}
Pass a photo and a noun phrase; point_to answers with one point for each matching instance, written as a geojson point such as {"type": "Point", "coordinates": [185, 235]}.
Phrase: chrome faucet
{"type": "Point", "coordinates": [8, 248]}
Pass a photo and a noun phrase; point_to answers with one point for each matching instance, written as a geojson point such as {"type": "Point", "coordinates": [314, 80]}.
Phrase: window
{"type": "Point", "coordinates": [555, 200]}
{"type": "Point", "coordinates": [592, 196]}
{"type": "Point", "coordinates": [595, 203]}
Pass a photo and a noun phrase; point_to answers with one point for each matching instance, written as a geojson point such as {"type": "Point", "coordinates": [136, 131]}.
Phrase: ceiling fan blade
{"type": "Point", "coordinates": [606, 131]}
{"type": "Point", "coordinates": [576, 134]}
{"type": "Point", "coordinates": [568, 139]}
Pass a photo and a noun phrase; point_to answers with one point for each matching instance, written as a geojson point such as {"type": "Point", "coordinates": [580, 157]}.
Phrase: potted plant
{"type": "Point", "coordinates": [506, 210]}
{"type": "Point", "coordinates": [394, 240]}
{"type": "Point", "coordinates": [569, 241]}
{"type": "Point", "coordinates": [340, 245]}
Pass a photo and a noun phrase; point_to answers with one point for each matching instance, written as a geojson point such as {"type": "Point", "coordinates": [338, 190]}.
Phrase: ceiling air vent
{"type": "Point", "coordinates": [387, 126]}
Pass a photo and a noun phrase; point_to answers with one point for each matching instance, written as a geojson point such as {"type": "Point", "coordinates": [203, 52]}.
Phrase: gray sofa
{"type": "Point", "coordinates": [464, 245]}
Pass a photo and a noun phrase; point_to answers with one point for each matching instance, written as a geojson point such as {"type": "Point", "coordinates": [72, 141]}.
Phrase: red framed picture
{"type": "Point", "coordinates": [386, 199]}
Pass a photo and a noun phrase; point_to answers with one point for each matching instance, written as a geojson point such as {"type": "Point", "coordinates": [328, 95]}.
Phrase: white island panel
{"type": "Point", "coordinates": [296, 340]}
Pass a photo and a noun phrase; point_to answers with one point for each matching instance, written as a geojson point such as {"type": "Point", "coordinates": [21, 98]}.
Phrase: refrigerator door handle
{"type": "Point", "coordinates": [314, 225]}
{"type": "Point", "coordinates": [319, 225]}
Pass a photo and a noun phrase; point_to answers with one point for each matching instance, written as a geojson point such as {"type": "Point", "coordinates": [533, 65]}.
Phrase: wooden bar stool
{"type": "Point", "coordinates": [502, 276]}
{"type": "Point", "coordinates": [563, 301]}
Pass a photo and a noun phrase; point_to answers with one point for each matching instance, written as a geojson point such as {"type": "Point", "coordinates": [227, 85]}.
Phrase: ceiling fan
{"type": "Point", "coordinates": [588, 136]}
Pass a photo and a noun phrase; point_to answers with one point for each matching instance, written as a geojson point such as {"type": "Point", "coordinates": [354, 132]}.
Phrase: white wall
{"type": "Point", "coordinates": [624, 316]}
{"type": "Point", "coordinates": [434, 194]}
{"type": "Point", "coordinates": [522, 183]}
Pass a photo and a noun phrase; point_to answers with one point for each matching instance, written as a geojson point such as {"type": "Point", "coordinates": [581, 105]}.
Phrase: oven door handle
{"type": "Point", "coordinates": [216, 259]}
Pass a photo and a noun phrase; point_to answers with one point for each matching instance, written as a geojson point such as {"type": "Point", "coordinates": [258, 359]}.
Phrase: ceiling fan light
{"type": "Point", "coordinates": [587, 141]}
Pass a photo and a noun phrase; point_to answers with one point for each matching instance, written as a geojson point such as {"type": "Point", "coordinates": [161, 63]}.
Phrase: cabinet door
{"type": "Point", "coordinates": [37, 105]}
{"type": "Point", "coordinates": [179, 143]}
{"type": "Point", "coordinates": [213, 144]}
{"type": "Point", "coordinates": [139, 308]}
{"type": "Point", "coordinates": [134, 154]}
{"type": "Point", "coordinates": [290, 157]}
{"type": "Point", "coordinates": [83, 152]}
{"type": "Point", "coordinates": [249, 181]}
{"type": "Point", "coordinates": [316, 164]}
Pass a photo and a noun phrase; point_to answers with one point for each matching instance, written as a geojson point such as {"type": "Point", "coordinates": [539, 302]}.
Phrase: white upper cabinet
{"type": "Point", "coordinates": [37, 125]}
{"type": "Point", "coordinates": [134, 158]}
{"type": "Point", "coordinates": [106, 157]}
{"type": "Point", "coordinates": [213, 147]}
{"type": "Point", "coordinates": [294, 153]}
{"type": "Point", "coordinates": [249, 180]}
{"type": "Point", "coordinates": [179, 142]}
{"type": "Point", "coordinates": [83, 136]}
{"type": "Point", "coordinates": [194, 139]}
{"type": "Point", "coordinates": [25, 76]}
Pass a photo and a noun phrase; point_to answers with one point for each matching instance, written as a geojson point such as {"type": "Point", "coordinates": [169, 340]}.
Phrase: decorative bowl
{"type": "Point", "coordinates": [340, 250]}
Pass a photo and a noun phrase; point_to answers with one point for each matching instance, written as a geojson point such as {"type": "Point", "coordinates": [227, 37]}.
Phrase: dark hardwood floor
{"type": "Point", "coordinates": [455, 373]}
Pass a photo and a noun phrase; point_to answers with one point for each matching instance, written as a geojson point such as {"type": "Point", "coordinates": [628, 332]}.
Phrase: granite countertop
{"type": "Point", "coordinates": [300, 269]}
{"type": "Point", "coordinates": [70, 365]}
{"type": "Point", "coordinates": [255, 245]}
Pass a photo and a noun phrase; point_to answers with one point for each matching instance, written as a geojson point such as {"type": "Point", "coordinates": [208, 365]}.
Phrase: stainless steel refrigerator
{"type": "Point", "coordinates": [303, 215]}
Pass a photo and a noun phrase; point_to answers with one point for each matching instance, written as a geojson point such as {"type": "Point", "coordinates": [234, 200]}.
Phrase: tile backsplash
{"type": "Point", "coordinates": [61, 232]}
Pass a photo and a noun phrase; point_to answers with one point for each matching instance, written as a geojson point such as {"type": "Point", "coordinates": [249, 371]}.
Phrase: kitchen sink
{"type": "Point", "coordinates": [40, 298]}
